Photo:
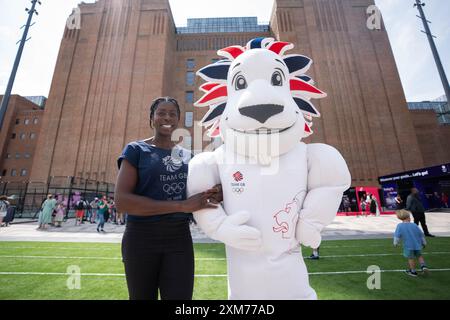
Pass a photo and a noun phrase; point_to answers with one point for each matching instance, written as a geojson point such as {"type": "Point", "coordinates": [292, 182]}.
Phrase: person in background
{"type": "Point", "coordinates": [444, 199]}
{"type": "Point", "coordinates": [45, 217]}
{"type": "Point", "coordinates": [88, 211]}
{"type": "Point", "coordinates": [399, 202]}
{"type": "Point", "coordinates": [415, 206]}
{"type": "Point", "coordinates": [59, 217]}
{"type": "Point", "coordinates": [368, 201]}
{"type": "Point", "coordinates": [112, 210]}
{"type": "Point", "coordinates": [4, 204]}
{"type": "Point", "coordinates": [363, 207]}
{"type": "Point", "coordinates": [94, 209]}
{"type": "Point", "coordinates": [413, 242]}
{"type": "Point", "coordinates": [120, 218]}
{"type": "Point", "coordinates": [101, 212]}
{"type": "Point", "coordinates": [374, 202]}
{"type": "Point", "coordinates": [79, 211]}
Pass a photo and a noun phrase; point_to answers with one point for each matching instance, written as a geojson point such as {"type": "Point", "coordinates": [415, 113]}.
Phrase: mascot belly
{"type": "Point", "coordinates": [278, 191]}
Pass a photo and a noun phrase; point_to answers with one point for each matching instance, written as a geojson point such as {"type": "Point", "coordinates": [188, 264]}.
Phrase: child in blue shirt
{"type": "Point", "coordinates": [413, 242]}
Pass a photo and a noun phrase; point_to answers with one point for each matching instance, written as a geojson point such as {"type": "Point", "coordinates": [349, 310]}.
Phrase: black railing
{"type": "Point", "coordinates": [29, 196]}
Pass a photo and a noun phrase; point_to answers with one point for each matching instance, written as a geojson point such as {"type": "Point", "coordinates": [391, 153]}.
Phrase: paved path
{"type": "Point", "coordinates": [341, 229]}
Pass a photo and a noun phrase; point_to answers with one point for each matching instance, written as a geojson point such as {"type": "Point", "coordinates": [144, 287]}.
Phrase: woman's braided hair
{"type": "Point", "coordinates": [155, 104]}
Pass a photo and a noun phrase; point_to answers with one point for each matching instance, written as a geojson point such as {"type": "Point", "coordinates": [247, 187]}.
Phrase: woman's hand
{"type": "Point", "coordinates": [216, 194]}
{"type": "Point", "coordinates": [200, 201]}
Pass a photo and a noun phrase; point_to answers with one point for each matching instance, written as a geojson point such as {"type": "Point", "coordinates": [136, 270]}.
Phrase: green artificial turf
{"type": "Point", "coordinates": [20, 260]}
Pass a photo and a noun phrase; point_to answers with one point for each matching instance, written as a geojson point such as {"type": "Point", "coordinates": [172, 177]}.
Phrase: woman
{"type": "Point", "coordinates": [157, 246]}
{"type": "Point", "coordinates": [46, 214]}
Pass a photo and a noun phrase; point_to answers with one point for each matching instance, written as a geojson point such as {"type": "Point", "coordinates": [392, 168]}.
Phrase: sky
{"type": "Point", "coordinates": [413, 56]}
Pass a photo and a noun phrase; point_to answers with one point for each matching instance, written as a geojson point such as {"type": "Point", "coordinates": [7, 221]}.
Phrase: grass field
{"type": "Point", "coordinates": [37, 270]}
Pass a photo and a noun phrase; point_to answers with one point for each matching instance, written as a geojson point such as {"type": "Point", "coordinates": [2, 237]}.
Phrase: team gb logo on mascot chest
{"type": "Point", "coordinates": [259, 102]}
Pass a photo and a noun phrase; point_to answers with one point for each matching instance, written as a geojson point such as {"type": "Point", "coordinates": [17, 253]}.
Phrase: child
{"type": "Point", "coordinates": [413, 242]}
{"type": "Point", "coordinates": [59, 217]}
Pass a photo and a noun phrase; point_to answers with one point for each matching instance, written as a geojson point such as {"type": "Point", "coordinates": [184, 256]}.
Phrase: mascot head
{"type": "Point", "coordinates": [256, 94]}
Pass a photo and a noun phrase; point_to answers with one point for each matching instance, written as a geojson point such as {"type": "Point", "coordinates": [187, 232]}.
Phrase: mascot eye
{"type": "Point", "coordinates": [277, 79]}
{"type": "Point", "coordinates": [241, 83]}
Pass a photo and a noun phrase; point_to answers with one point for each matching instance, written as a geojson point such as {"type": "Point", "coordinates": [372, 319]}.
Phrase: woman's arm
{"type": "Point", "coordinates": [127, 201]}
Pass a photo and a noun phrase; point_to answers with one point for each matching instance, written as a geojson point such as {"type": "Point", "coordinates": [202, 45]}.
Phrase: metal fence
{"type": "Point", "coordinates": [29, 196]}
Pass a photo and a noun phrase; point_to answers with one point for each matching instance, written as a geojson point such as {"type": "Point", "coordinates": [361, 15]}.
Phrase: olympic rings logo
{"type": "Point", "coordinates": [174, 188]}
{"type": "Point", "coordinates": [238, 190]}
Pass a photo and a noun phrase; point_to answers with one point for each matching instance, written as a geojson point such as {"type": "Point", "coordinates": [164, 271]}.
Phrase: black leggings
{"type": "Point", "coordinates": [159, 255]}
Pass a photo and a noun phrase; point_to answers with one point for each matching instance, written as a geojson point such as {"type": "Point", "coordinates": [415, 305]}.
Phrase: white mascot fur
{"type": "Point", "coordinates": [278, 191]}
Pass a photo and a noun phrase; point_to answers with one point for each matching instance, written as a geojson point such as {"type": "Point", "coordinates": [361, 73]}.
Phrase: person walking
{"type": "Point", "coordinates": [415, 206]}
{"type": "Point", "coordinates": [45, 217]}
{"type": "Point", "coordinates": [157, 249]}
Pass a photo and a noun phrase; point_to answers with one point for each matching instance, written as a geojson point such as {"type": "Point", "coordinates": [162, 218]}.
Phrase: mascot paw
{"type": "Point", "coordinates": [234, 233]}
{"type": "Point", "coordinates": [308, 235]}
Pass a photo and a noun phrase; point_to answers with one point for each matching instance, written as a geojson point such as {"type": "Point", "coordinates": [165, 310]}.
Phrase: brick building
{"type": "Point", "coordinates": [433, 137]}
{"type": "Point", "coordinates": [18, 139]}
{"type": "Point", "coordinates": [128, 52]}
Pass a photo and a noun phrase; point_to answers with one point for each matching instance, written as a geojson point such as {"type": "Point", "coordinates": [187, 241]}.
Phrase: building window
{"type": "Point", "coordinates": [13, 136]}
{"type": "Point", "coordinates": [13, 173]}
{"type": "Point", "coordinates": [190, 78]}
{"type": "Point", "coordinates": [17, 155]}
{"type": "Point", "coordinates": [32, 135]}
{"type": "Point", "coordinates": [35, 120]}
{"type": "Point", "coordinates": [189, 96]}
{"type": "Point", "coordinates": [27, 155]}
{"type": "Point", "coordinates": [190, 63]}
{"type": "Point", "coordinates": [4, 172]}
{"type": "Point", "coordinates": [8, 156]}
{"type": "Point", "coordinates": [23, 172]}
{"type": "Point", "coordinates": [17, 121]}
{"type": "Point", "coordinates": [189, 119]}
{"type": "Point", "coordinates": [26, 122]}
{"type": "Point", "coordinates": [22, 136]}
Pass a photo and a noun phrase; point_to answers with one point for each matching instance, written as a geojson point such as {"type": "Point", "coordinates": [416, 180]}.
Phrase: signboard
{"type": "Point", "coordinates": [431, 172]}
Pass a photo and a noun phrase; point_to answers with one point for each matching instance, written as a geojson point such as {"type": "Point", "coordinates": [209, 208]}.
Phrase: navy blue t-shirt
{"type": "Point", "coordinates": [162, 175]}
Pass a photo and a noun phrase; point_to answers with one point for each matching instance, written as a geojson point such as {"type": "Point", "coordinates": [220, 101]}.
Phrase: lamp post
{"type": "Point", "coordinates": [5, 100]}
{"type": "Point", "coordinates": [419, 4]}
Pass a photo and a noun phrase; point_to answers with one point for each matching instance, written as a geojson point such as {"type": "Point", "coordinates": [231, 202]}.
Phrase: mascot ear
{"type": "Point", "coordinates": [297, 64]}
{"type": "Point", "coordinates": [216, 72]}
{"type": "Point", "coordinates": [307, 107]}
{"type": "Point", "coordinates": [216, 95]}
{"type": "Point", "coordinates": [213, 114]}
{"type": "Point", "coordinates": [303, 88]}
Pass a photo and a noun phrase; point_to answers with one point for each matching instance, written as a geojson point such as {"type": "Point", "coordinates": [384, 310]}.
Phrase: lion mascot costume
{"type": "Point", "coordinates": [278, 191]}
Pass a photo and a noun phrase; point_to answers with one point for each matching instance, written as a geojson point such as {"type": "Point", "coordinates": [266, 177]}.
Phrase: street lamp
{"type": "Point", "coordinates": [419, 4]}
{"type": "Point", "coordinates": [6, 97]}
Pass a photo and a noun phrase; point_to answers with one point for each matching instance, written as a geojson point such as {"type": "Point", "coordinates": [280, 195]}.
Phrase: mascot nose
{"type": "Point", "coordinates": [261, 112]}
